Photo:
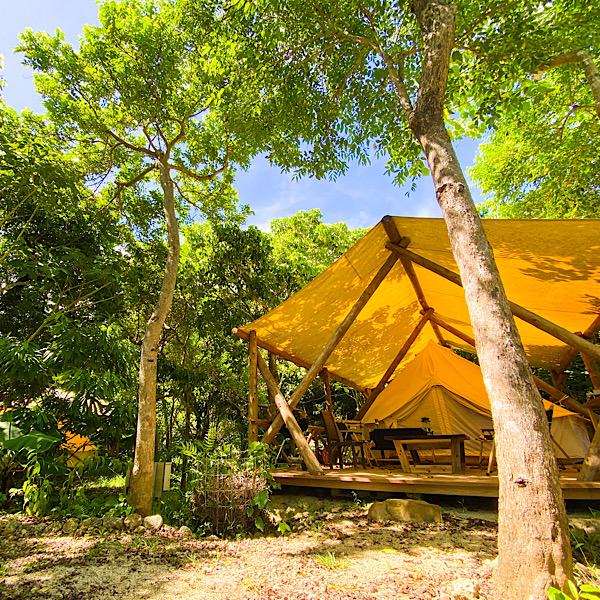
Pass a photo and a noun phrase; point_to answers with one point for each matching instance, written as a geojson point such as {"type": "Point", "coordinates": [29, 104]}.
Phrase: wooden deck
{"type": "Point", "coordinates": [474, 483]}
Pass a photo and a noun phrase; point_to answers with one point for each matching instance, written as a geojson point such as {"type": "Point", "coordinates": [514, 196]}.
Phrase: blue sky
{"type": "Point", "coordinates": [360, 198]}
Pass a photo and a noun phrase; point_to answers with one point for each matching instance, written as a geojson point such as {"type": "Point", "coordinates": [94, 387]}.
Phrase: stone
{"type": "Point", "coordinates": [12, 526]}
{"type": "Point", "coordinates": [378, 512]}
{"type": "Point", "coordinates": [185, 532]}
{"type": "Point", "coordinates": [92, 523]}
{"type": "Point", "coordinates": [70, 526]}
{"type": "Point", "coordinates": [588, 526]}
{"type": "Point", "coordinates": [153, 522]}
{"type": "Point", "coordinates": [39, 528]}
{"type": "Point", "coordinates": [112, 523]}
{"type": "Point", "coordinates": [133, 521]}
{"type": "Point", "coordinates": [405, 511]}
{"type": "Point", "coordinates": [464, 589]}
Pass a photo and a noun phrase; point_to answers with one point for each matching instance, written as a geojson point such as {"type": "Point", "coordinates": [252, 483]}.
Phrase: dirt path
{"type": "Point", "coordinates": [333, 552]}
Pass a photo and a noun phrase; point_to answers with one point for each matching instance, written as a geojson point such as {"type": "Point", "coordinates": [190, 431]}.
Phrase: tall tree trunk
{"type": "Point", "coordinates": [590, 469]}
{"type": "Point", "coordinates": [142, 480]}
{"type": "Point", "coordinates": [186, 436]}
{"type": "Point", "coordinates": [533, 541]}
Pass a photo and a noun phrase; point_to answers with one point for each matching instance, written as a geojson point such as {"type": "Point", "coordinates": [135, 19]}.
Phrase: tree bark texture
{"type": "Point", "coordinates": [590, 470]}
{"type": "Point", "coordinates": [142, 480]}
{"type": "Point", "coordinates": [533, 542]}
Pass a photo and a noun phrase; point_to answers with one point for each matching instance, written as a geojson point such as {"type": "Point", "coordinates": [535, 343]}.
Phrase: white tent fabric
{"type": "Point", "coordinates": [449, 391]}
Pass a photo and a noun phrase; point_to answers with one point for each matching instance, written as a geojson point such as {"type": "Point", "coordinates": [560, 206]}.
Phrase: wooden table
{"type": "Point", "coordinates": [454, 442]}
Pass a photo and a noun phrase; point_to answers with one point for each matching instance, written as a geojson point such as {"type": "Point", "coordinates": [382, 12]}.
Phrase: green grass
{"type": "Point", "coordinates": [329, 560]}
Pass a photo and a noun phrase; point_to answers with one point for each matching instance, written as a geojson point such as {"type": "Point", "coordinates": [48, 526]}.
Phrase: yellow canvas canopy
{"type": "Point", "coordinates": [449, 391]}
{"type": "Point", "coordinates": [550, 267]}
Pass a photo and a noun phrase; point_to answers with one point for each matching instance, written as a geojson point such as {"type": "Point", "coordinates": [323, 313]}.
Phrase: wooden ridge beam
{"type": "Point", "coordinates": [397, 360]}
{"type": "Point", "coordinates": [522, 313]}
{"type": "Point", "coordinates": [333, 342]}
{"type": "Point", "coordinates": [312, 464]}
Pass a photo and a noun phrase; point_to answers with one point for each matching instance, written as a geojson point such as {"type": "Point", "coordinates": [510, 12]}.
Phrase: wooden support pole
{"type": "Point", "coordinates": [412, 276]}
{"type": "Point", "coordinates": [312, 464]}
{"type": "Point", "coordinates": [397, 360]}
{"type": "Point", "coordinates": [324, 375]}
{"type": "Point", "coordinates": [590, 469]}
{"type": "Point", "coordinates": [593, 404]}
{"type": "Point", "coordinates": [556, 396]}
{"type": "Point", "coordinates": [522, 313]}
{"type": "Point", "coordinates": [331, 345]}
{"type": "Point", "coordinates": [558, 378]}
{"type": "Point", "coordinates": [253, 385]}
{"type": "Point", "coordinates": [394, 236]}
{"type": "Point", "coordinates": [240, 333]}
{"type": "Point", "coordinates": [592, 368]}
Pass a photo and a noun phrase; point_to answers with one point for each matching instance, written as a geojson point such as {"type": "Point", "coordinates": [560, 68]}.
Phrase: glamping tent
{"type": "Point", "coordinates": [78, 449]}
{"type": "Point", "coordinates": [449, 391]}
{"type": "Point", "coordinates": [548, 267]}
{"type": "Point", "coordinates": [371, 312]}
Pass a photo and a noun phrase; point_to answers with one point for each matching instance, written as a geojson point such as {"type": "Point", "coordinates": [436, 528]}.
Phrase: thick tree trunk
{"type": "Point", "coordinates": [590, 470]}
{"type": "Point", "coordinates": [533, 542]}
{"type": "Point", "coordinates": [142, 480]}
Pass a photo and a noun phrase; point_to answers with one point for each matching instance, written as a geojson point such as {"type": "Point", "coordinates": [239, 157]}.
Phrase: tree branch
{"type": "Point", "coordinates": [129, 145]}
{"type": "Point", "coordinates": [590, 70]}
{"type": "Point", "coordinates": [14, 210]}
{"type": "Point", "coordinates": [3, 257]}
{"type": "Point", "coordinates": [189, 173]}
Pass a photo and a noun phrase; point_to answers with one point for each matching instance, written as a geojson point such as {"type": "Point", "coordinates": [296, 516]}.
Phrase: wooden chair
{"type": "Point", "coordinates": [353, 430]}
{"type": "Point", "coordinates": [336, 444]}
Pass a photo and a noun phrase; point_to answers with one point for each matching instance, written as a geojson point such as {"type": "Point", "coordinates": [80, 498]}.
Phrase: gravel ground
{"type": "Point", "coordinates": [332, 552]}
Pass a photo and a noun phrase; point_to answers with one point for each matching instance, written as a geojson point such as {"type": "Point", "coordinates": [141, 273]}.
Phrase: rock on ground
{"type": "Point", "coordinates": [405, 510]}
{"type": "Point", "coordinates": [153, 522]}
{"type": "Point", "coordinates": [133, 521]}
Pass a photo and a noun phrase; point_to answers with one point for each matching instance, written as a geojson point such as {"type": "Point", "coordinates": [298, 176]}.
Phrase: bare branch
{"type": "Point", "coordinates": [137, 179]}
{"type": "Point", "coordinates": [588, 65]}
{"type": "Point", "coordinates": [122, 142]}
{"type": "Point", "coordinates": [189, 173]}
{"type": "Point", "coordinates": [186, 198]}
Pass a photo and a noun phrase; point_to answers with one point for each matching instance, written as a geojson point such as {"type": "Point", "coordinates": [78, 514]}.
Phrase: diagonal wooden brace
{"type": "Point", "coordinates": [522, 313]}
{"type": "Point", "coordinates": [332, 344]}
{"type": "Point", "coordinates": [312, 464]}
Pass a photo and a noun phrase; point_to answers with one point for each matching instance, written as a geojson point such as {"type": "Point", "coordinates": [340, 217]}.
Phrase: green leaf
{"type": "Point", "coordinates": [261, 499]}
{"type": "Point", "coordinates": [32, 441]}
{"type": "Point", "coordinates": [260, 524]}
{"type": "Point", "coordinates": [554, 594]}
